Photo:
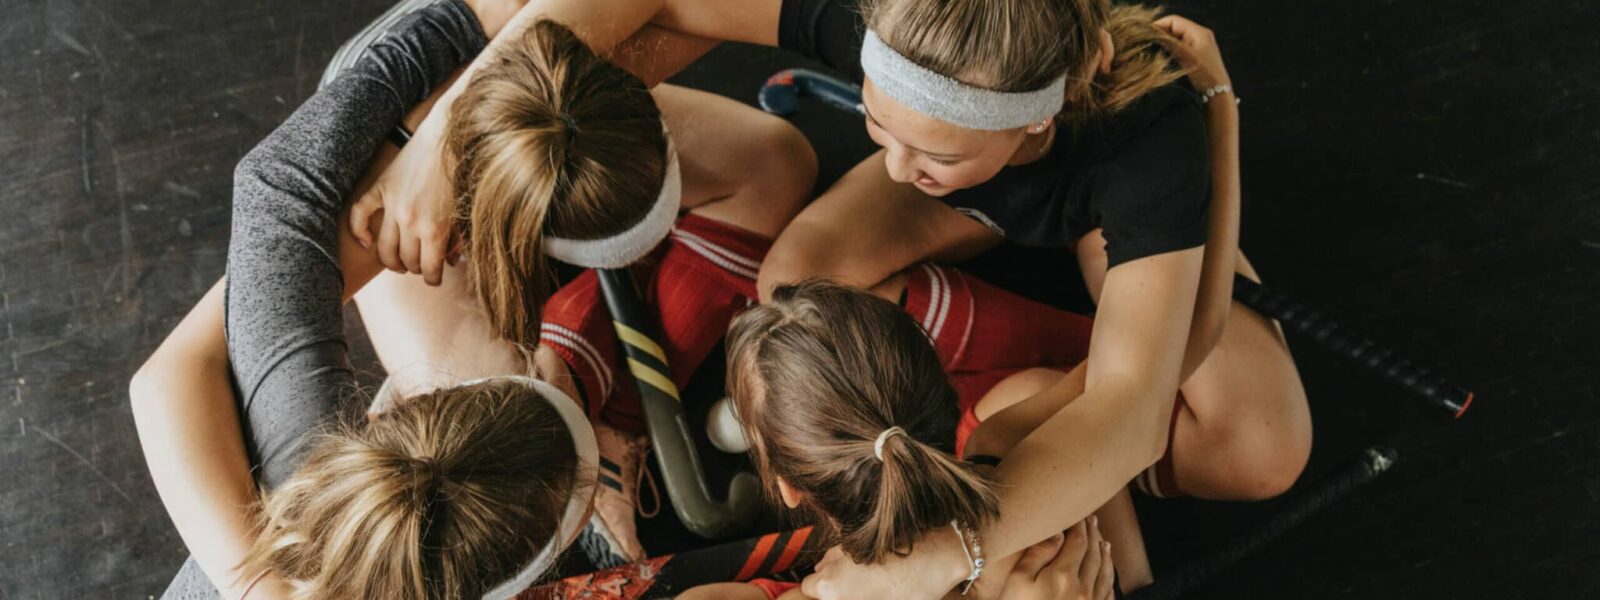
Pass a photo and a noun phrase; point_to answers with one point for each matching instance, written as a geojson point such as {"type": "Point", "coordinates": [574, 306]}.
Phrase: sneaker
{"type": "Point", "coordinates": [615, 501]}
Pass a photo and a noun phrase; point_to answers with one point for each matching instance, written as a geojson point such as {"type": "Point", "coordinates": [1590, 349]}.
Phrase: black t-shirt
{"type": "Point", "coordinates": [1143, 174]}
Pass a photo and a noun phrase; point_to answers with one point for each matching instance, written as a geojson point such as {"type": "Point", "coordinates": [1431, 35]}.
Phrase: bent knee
{"type": "Point", "coordinates": [1267, 463]}
{"type": "Point", "coordinates": [1015, 388]}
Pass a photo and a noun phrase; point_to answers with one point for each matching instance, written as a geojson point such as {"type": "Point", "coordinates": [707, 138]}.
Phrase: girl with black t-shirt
{"type": "Point", "coordinates": [1116, 169]}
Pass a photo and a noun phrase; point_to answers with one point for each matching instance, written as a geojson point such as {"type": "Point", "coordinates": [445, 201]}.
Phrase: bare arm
{"type": "Point", "coordinates": [1215, 298]}
{"type": "Point", "coordinates": [1119, 425]}
{"type": "Point", "coordinates": [866, 229]}
{"type": "Point", "coordinates": [1021, 408]}
{"type": "Point", "coordinates": [748, 21]}
{"type": "Point", "coordinates": [1197, 51]}
{"type": "Point", "coordinates": [1083, 455]}
{"type": "Point", "coordinates": [286, 348]}
{"type": "Point", "coordinates": [183, 407]}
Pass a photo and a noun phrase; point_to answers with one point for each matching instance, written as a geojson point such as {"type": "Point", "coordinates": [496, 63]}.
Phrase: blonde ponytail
{"type": "Point", "coordinates": [547, 139]}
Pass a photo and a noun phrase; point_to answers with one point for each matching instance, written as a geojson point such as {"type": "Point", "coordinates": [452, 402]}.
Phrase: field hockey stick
{"type": "Point", "coordinates": [669, 433]}
{"type": "Point", "coordinates": [1363, 470]}
{"type": "Point", "coordinates": [783, 90]}
{"type": "Point", "coordinates": [1360, 351]}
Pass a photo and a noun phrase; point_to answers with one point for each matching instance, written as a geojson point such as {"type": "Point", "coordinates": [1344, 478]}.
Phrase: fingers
{"type": "Point", "coordinates": [433, 262]}
{"type": "Point", "coordinates": [1037, 556]}
{"type": "Point", "coordinates": [1187, 31]}
{"type": "Point", "coordinates": [411, 251]}
{"type": "Point", "coordinates": [1108, 575]}
{"type": "Point", "coordinates": [361, 216]}
{"type": "Point", "coordinates": [1093, 553]}
{"type": "Point", "coordinates": [1174, 24]}
{"type": "Point", "coordinates": [1077, 541]}
{"type": "Point", "coordinates": [434, 244]}
{"type": "Point", "coordinates": [389, 244]}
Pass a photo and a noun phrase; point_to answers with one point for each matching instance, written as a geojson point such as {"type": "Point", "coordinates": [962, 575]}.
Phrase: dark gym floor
{"type": "Point", "coordinates": [1425, 171]}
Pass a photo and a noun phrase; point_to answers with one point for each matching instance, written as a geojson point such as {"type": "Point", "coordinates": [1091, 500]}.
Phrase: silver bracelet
{"type": "Point", "coordinates": [1205, 97]}
{"type": "Point", "coordinates": [974, 553]}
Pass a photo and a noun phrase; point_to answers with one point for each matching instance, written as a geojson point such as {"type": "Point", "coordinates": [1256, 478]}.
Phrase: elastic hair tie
{"type": "Point", "coordinates": [435, 474]}
{"type": "Point", "coordinates": [571, 125]}
{"type": "Point", "coordinates": [877, 447]}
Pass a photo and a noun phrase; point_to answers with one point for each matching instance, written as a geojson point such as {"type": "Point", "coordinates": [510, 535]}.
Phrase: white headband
{"type": "Point", "coordinates": [952, 101]}
{"type": "Point", "coordinates": [633, 243]}
{"type": "Point", "coordinates": [573, 519]}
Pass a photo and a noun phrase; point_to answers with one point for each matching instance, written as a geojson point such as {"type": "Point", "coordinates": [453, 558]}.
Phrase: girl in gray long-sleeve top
{"type": "Point", "coordinates": [445, 494]}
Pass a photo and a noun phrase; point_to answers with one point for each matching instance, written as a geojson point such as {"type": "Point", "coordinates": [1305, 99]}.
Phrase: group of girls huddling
{"type": "Point", "coordinates": [943, 433]}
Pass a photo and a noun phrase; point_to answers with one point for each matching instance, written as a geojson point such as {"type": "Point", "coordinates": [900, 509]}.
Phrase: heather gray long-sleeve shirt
{"type": "Point", "coordinates": [284, 322]}
{"type": "Point", "coordinates": [285, 334]}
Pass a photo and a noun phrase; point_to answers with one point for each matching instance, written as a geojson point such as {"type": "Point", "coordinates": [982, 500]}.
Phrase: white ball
{"type": "Point", "coordinates": [722, 426]}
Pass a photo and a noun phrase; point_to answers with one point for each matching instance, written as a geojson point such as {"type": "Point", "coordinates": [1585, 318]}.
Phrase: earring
{"type": "Point", "coordinates": [1038, 129]}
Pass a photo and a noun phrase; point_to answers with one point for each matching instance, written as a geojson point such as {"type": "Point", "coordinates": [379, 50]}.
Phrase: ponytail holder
{"type": "Point", "coordinates": [571, 125]}
{"type": "Point", "coordinates": [877, 447]}
{"type": "Point", "coordinates": [435, 474]}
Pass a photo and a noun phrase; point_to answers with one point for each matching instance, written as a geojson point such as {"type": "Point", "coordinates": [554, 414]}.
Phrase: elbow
{"type": "Point", "coordinates": [143, 387]}
{"type": "Point", "coordinates": [248, 174]}
{"type": "Point", "coordinates": [771, 277]}
{"type": "Point", "coordinates": [793, 259]}
{"type": "Point", "coordinates": [1158, 435]}
{"type": "Point", "coordinates": [1156, 448]}
{"type": "Point", "coordinates": [814, 250]}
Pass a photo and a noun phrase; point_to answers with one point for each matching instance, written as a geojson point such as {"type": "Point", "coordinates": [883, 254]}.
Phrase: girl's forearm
{"type": "Point", "coordinates": [189, 428]}
{"type": "Point", "coordinates": [1215, 298]}
{"type": "Point", "coordinates": [1073, 464]}
{"type": "Point", "coordinates": [1003, 430]}
{"type": "Point", "coordinates": [601, 24]}
{"type": "Point", "coordinates": [748, 21]}
{"type": "Point", "coordinates": [1085, 453]}
{"type": "Point", "coordinates": [1040, 492]}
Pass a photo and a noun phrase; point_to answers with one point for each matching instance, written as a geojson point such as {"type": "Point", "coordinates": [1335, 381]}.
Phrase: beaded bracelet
{"type": "Point", "coordinates": [974, 553]}
{"type": "Point", "coordinates": [1205, 97]}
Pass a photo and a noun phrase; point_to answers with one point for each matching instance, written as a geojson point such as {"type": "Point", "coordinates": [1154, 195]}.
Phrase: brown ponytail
{"type": "Point", "coordinates": [1023, 45]}
{"type": "Point", "coordinates": [817, 374]}
{"type": "Point", "coordinates": [444, 495]}
{"type": "Point", "coordinates": [547, 139]}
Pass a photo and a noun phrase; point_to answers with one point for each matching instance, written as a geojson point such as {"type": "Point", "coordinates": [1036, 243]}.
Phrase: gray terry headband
{"type": "Point", "coordinates": [952, 101]}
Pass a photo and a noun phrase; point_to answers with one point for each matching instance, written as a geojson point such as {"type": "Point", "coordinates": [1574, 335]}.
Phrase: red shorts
{"type": "Point", "coordinates": [984, 334]}
{"type": "Point", "coordinates": [773, 589]}
{"type": "Point", "coordinates": [700, 277]}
